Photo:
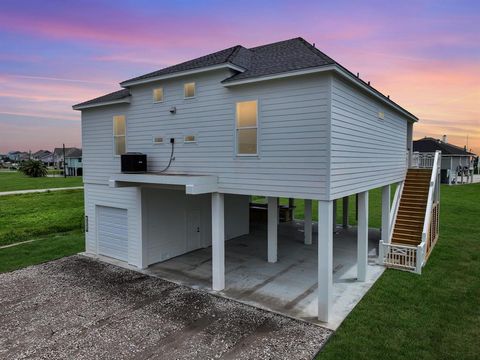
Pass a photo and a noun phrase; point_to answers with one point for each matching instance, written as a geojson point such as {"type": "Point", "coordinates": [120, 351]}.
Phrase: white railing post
{"type": "Point", "coordinates": [381, 253]}
{"type": "Point", "coordinates": [419, 258]}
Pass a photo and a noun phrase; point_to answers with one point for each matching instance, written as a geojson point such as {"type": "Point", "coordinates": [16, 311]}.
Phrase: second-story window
{"type": "Point", "coordinates": [246, 128]}
{"type": "Point", "coordinates": [119, 135]}
{"type": "Point", "coordinates": [189, 90]}
{"type": "Point", "coordinates": [158, 95]}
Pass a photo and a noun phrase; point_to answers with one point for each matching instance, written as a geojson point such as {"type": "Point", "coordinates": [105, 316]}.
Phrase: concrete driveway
{"type": "Point", "coordinates": [79, 308]}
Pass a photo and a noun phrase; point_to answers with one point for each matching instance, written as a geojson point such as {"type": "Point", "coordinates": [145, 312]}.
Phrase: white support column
{"type": "Point", "coordinates": [385, 213]}
{"type": "Point", "coordinates": [142, 248]}
{"type": "Point", "coordinates": [272, 231]}
{"type": "Point", "coordinates": [334, 224]}
{"type": "Point", "coordinates": [345, 212]}
{"type": "Point", "coordinates": [325, 260]}
{"type": "Point", "coordinates": [218, 242]}
{"type": "Point", "coordinates": [362, 236]}
{"type": "Point", "coordinates": [308, 221]}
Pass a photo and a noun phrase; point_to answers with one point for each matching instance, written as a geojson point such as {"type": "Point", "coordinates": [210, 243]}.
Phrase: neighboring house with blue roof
{"type": "Point", "coordinates": [457, 162]}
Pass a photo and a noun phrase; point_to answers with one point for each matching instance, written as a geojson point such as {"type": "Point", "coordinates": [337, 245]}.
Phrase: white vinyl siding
{"type": "Point", "coordinates": [366, 150]}
{"type": "Point", "coordinates": [247, 127]}
{"type": "Point", "coordinates": [292, 134]}
{"type": "Point", "coordinates": [123, 198]}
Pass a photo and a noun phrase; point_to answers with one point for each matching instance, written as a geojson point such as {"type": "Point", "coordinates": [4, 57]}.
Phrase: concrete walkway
{"type": "Point", "coordinates": [18, 192]}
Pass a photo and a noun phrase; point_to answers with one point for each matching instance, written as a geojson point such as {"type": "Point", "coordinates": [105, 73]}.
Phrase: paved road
{"type": "Point", "coordinates": [80, 308]}
{"type": "Point", "coordinates": [16, 192]}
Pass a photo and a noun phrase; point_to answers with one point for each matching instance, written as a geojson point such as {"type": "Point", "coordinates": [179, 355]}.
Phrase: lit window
{"type": "Point", "coordinates": [158, 140]}
{"type": "Point", "coordinates": [119, 134]}
{"type": "Point", "coordinates": [189, 90]}
{"type": "Point", "coordinates": [158, 95]}
{"type": "Point", "coordinates": [246, 128]}
{"type": "Point", "coordinates": [189, 139]}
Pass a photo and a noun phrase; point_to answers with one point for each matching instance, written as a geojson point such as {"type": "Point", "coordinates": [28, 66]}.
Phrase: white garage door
{"type": "Point", "coordinates": [112, 232]}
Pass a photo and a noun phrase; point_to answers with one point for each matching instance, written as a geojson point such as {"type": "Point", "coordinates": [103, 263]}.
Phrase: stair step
{"type": "Point", "coordinates": [409, 220]}
{"type": "Point", "coordinates": [406, 240]}
{"type": "Point", "coordinates": [407, 232]}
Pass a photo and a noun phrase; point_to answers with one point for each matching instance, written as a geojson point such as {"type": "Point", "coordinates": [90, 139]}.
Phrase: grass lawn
{"type": "Point", "coordinates": [14, 180]}
{"type": "Point", "coordinates": [27, 216]}
{"type": "Point", "coordinates": [374, 208]}
{"type": "Point", "coordinates": [48, 248]}
{"type": "Point", "coordinates": [432, 316]}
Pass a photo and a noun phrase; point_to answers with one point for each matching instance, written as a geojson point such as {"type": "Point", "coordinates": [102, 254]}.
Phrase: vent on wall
{"type": "Point", "coordinates": [381, 115]}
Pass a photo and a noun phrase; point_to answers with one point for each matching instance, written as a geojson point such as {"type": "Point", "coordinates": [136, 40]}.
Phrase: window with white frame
{"type": "Point", "coordinates": [246, 127]}
{"type": "Point", "coordinates": [119, 134]}
{"type": "Point", "coordinates": [158, 95]}
{"type": "Point", "coordinates": [189, 139]}
{"type": "Point", "coordinates": [189, 90]}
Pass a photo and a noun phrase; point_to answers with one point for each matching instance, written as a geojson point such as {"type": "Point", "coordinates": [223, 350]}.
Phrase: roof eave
{"type": "Point", "coordinates": [324, 68]}
{"type": "Point", "coordinates": [227, 65]}
{"type": "Point", "coordinates": [125, 100]}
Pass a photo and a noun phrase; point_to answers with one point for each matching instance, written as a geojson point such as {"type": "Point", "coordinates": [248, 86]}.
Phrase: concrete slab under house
{"type": "Point", "coordinates": [173, 162]}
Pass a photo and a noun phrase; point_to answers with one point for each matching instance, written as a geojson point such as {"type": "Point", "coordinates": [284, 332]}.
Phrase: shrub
{"type": "Point", "coordinates": [33, 168]}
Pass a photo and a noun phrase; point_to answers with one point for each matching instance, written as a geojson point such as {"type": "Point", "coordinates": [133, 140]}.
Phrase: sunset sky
{"type": "Point", "coordinates": [424, 54]}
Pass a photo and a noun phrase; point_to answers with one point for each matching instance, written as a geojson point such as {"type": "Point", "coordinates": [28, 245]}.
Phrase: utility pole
{"type": "Point", "coordinates": [64, 170]}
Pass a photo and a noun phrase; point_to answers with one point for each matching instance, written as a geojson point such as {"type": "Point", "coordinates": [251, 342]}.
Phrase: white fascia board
{"type": "Point", "coordinates": [280, 76]}
{"type": "Point", "coordinates": [127, 83]}
{"type": "Point", "coordinates": [325, 68]}
{"type": "Point", "coordinates": [194, 184]}
{"type": "Point", "coordinates": [105, 103]}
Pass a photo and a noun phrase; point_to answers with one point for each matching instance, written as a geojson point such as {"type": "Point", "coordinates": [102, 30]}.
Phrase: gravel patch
{"type": "Point", "coordinates": [80, 308]}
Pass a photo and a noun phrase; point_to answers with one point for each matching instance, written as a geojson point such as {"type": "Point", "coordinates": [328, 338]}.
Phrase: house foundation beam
{"type": "Point", "coordinates": [325, 260]}
{"type": "Point", "coordinates": [386, 213]}
{"type": "Point", "coordinates": [218, 242]}
{"type": "Point", "coordinates": [272, 231]}
{"type": "Point", "coordinates": [307, 224]}
{"type": "Point", "coordinates": [362, 236]}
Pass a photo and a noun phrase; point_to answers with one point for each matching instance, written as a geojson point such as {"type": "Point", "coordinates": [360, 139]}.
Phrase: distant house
{"type": "Point", "coordinates": [457, 162]}
{"type": "Point", "coordinates": [17, 156]}
{"type": "Point", "coordinates": [44, 156]}
{"type": "Point", "coordinates": [72, 161]}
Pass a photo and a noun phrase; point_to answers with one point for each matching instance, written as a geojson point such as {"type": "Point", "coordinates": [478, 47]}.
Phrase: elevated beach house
{"type": "Point", "coordinates": [172, 161]}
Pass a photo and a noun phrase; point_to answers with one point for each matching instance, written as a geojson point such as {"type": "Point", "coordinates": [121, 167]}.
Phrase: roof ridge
{"type": "Point", "coordinates": [272, 44]}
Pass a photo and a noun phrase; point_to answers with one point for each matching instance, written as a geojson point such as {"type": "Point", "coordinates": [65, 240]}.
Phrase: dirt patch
{"type": "Point", "coordinates": [81, 308]}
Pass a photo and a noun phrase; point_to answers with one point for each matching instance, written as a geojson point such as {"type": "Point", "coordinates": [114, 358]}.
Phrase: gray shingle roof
{"type": "Point", "coordinates": [280, 57]}
{"type": "Point", "coordinates": [72, 152]}
{"type": "Point", "coordinates": [116, 95]}
{"type": "Point", "coordinates": [236, 55]}
{"type": "Point", "coordinates": [429, 144]}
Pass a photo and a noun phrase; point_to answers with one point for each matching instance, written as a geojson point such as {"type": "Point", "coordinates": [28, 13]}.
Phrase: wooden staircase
{"type": "Point", "coordinates": [411, 212]}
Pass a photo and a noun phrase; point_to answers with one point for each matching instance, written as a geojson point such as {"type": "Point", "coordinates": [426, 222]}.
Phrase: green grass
{"type": "Point", "coordinates": [374, 208]}
{"type": "Point", "coordinates": [14, 180]}
{"type": "Point", "coordinates": [432, 316]}
{"type": "Point", "coordinates": [45, 249]}
{"type": "Point", "coordinates": [23, 217]}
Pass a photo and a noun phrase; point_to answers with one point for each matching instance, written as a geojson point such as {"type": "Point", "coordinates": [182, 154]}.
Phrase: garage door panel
{"type": "Point", "coordinates": [112, 232]}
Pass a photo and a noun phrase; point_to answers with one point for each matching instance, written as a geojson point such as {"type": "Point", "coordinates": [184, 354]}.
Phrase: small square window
{"type": "Point", "coordinates": [158, 140]}
{"type": "Point", "coordinates": [158, 95]}
{"type": "Point", "coordinates": [190, 139]}
{"type": "Point", "coordinates": [189, 90]}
